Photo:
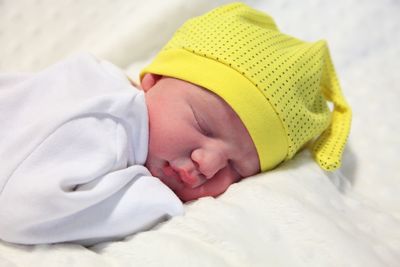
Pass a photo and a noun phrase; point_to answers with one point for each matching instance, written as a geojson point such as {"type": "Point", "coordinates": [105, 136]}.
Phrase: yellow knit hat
{"type": "Point", "coordinates": [278, 85]}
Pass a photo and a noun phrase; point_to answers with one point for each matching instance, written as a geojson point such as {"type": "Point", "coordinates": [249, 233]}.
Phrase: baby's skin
{"type": "Point", "coordinates": [198, 146]}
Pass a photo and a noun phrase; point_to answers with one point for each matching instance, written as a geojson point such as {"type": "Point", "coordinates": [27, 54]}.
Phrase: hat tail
{"type": "Point", "coordinates": [329, 146]}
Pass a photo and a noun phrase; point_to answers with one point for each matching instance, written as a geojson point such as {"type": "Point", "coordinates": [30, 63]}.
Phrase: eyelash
{"type": "Point", "coordinates": [198, 124]}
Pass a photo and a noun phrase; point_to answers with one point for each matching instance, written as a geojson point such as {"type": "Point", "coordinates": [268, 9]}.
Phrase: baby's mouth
{"type": "Point", "coordinates": [183, 176]}
{"type": "Point", "coordinates": [171, 177]}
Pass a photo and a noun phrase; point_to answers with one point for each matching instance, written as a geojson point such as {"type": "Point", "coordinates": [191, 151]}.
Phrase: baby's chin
{"type": "Point", "coordinates": [184, 192]}
{"type": "Point", "coordinates": [189, 194]}
{"type": "Point", "coordinates": [211, 188]}
{"type": "Point", "coordinates": [208, 189]}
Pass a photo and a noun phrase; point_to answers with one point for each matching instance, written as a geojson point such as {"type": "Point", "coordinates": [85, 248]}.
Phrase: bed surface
{"type": "Point", "coordinates": [296, 215]}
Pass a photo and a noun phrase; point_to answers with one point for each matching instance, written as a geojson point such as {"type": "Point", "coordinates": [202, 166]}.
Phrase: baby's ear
{"type": "Point", "coordinates": [149, 80]}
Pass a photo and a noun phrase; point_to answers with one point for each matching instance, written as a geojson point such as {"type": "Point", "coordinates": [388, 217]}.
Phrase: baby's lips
{"type": "Point", "coordinates": [192, 180]}
{"type": "Point", "coordinates": [200, 180]}
{"type": "Point", "coordinates": [171, 178]}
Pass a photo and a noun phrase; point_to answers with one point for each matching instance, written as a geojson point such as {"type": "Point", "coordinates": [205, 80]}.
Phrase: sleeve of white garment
{"type": "Point", "coordinates": [77, 186]}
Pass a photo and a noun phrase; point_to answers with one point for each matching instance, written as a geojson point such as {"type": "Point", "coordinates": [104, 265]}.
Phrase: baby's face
{"type": "Point", "coordinates": [198, 146]}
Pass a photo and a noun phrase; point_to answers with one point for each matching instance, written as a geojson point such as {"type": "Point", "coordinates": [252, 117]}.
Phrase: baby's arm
{"type": "Point", "coordinates": [76, 186]}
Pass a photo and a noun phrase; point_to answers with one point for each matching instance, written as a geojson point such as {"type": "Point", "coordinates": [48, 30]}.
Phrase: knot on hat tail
{"type": "Point", "coordinates": [329, 146]}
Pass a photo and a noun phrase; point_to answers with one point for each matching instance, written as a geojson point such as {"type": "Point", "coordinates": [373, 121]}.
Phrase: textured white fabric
{"type": "Point", "coordinates": [36, 33]}
{"type": "Point", "coordinates": [294, 216]}
{"type": "Point", "coordinates": [74, 141]}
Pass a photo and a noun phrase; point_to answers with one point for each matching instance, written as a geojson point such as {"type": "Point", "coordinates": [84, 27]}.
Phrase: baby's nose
{"type": "Point", "coordinates": [209, 162]}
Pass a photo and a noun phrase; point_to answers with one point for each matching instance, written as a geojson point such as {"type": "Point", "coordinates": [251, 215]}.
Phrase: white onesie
{"type": "Point", "coordinates": [73, 141]}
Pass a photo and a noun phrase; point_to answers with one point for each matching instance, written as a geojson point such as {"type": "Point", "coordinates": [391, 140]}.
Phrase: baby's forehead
{"type": "Point", "coordinates": [205, 101]}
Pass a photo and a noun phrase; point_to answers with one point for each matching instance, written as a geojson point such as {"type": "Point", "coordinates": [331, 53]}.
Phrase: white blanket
{"type": "Point", "coordinates": [296, 215]}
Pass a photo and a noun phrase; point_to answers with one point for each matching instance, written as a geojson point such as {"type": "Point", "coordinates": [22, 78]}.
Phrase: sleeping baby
{"type": "Point", "coordinates": [88, 157]}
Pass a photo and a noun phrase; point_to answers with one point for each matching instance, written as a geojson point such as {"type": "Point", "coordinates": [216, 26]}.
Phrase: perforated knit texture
{"type": "Point", "coordinates": [296, 77]}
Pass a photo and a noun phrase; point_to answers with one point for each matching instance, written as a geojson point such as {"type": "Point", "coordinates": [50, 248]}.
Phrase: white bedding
{"type": "Point", "coordinates": [296, 215]}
